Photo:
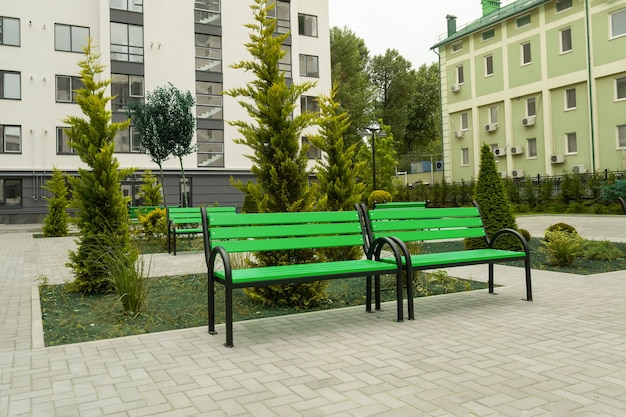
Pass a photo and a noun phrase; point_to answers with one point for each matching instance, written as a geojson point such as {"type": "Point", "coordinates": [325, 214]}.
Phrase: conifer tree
{"type": "Point", "coordinates": [493, 203]}
{"type": "Point", "coordinates": [102, 214]}
{"type": "Point", "coordinates": [150, 190]}
{"type": "Point", "coordinates": [57, 220]}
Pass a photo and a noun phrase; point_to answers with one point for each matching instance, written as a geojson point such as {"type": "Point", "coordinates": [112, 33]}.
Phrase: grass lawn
{"type": "Point", "coordinates": [180, 302]}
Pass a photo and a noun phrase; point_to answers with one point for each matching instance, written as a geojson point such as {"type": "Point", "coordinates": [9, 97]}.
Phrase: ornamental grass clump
{"type": "Point", "coordinates": [562, 248]}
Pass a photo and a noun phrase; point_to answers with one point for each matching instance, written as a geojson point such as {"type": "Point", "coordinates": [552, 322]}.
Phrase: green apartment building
{"type": "Point", "coordinates": [543, 82]}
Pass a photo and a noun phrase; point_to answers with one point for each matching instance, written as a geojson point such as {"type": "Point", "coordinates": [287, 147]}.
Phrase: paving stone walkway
{"type": "Point", "coordinates": [466, 354]}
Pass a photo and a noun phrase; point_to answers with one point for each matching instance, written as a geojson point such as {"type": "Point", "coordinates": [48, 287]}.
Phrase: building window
{"type": "Point", "coordinates": [488, 65]}
{"type": "Point", "coordinates": [456, 47]}
{"type": "Point", "coordinates": [531, 107]}
{"type": "Point", "coordinates": [460, 75]}
{"type": "Point", "coordinates": [314, 152]}
{"type": "Point", "coordinates": [493, 114]}
{"type": "Point", "coordinates": [526, 58]}
{"type": "Point", "coordinates": [531, 147]}
{"type": "Point", "coordinates": [309, 104]}
{"type": "Point", "coordinates": [207, 12]}
{"type": "Point", "coordinates": [309, 66]}
{"type": "Point", "coordinates": [563, 5]}
{"type": "Point", "coordinates": [307, 25]}
{"type": "Point", "coordinates": [128, 140]}
{"type": "Point", "coordinates": [566, 40]}
{"type": "Point", "coordinates": [284, 63]}
{"type": "Point", "coordinates": [130, 5]}
{"type": "Point", "coordinates": [489, 34]}
{"type": "Point", "coordinates": [618, 23]}
{"type": "Point", "coordinates": [210, 148]}
{"type": "Point", "coordinates": [66, 88]}
{"type": "Point", "coordinates": [464, 157]}
{"type": "Point", "coordinates": [70, 38]}
{"type": "Point", "coordinates": [11, 137]}
{"type": "Point", "coordinates": [282, 14]}
{"type": "Point", "coordinates": [63, 142]}
{"type": "Point", "coordinates": [9, 31]}
{"type": "Point", "coordinates": [10, 192]}
{"type": "Point", "coordinates": [126, 42]}
{"type": "Point", "coordinates": [124, 89]}
{"type": "Point", "coordinates": [621, 136]}
{"type": "Point", "coordinates": [523, 21]}
{"type": "Point", "coordinates": [208, 53]}
{"type": "Point", "coordinates": [570, 143]}
{"type": "Point", "coordinates": [570, 99]}
{"type": "Point", "coordinates": [620, 88]}
{"type": "Point", "coordinates": [209, 100]}
{"type": "Point", "coordinates": [464, 121]}
{"type": "Point", "coordinates": [10, 85]}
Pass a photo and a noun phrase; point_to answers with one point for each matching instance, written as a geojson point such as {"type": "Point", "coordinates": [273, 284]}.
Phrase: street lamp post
{"type": "Point", "coordinates": [373, 130]}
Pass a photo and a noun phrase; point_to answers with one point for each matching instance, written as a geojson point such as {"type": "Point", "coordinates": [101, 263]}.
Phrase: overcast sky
{"type": "Point", "coordinates": [410, 26]}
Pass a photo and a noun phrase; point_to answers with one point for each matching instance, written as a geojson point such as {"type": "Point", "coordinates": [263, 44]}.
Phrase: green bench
{"type": "Point", "coordinates": [135, 211]}
{"type": "Point", "coordinates": [410, 225]}
{"type": "Point", "coordinates": [402, 204]}
{"type": "Point", "coordinates": [226, 234]}
{"type": "Point", "coordinates": [187, 221]}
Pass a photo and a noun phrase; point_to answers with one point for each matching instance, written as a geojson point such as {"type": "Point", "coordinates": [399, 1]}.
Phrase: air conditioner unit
{"type": "Point", "coordinates": [517, 173]}
{"type": "Point", "coordinates": [439, 166]}
{"type": "Point", "coordinates": [499, 151]}
{"type": "Point", "coordinates": [458, 134]}
{"type": "Point", "coordinates": [579, 169]}
{"type": "Point", "coordinates": [491, 127]}
{"type": "Point", "coordinates": [528, 121]}
{"type": "Point", "coordinates": [557, 158]}
{"type": "Point", "coordinates": [517, 150]}
{"type": "Point", "coordinates": [455, 88]}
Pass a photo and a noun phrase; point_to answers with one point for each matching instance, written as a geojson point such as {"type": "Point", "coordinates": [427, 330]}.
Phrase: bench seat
{"type": "Point", "coordinates": [459, 258]}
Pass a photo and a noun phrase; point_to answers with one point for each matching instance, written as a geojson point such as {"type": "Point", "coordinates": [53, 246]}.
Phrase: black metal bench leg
{"type": "Point", "coordinates": [368, 294]}
{"type": "Point", "coordinates": [377, 291]}
{"type": "Point", "coordinates": [211, 306]}
{"type": "Point", "coordinates": [229, 317]}
{"type": "Point", "coordinates": [529, 289]}
{"type": "Point", "coordinates": [490, 277]}
{"type": "Point", "coordinates": [175, 243]}
{"type": "Point", "coordinates": [409, 295]}
{"type": "Point", "coordinates": [399, 297]}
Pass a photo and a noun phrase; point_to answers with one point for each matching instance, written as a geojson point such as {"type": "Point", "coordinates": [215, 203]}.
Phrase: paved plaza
{"type": "Point", "coordinates": [466, 354]}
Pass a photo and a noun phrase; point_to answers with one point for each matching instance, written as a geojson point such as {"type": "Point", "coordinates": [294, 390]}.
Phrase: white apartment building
{"type": "Point", "coordinates": [144, 44]}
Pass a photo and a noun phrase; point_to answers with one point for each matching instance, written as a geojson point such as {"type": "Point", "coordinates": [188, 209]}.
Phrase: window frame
{"type": "Point", "coordinates": [464, 122]}
{"type": "Point", "coordinates": [3, 25]}
{"type": "Point", "coordinates": [122, 106]}
{"type": "Point", "coordinates": [488, 62]}
{"type": "Point", "coordinates": [135, 6]}
{"type": "Point", "coordinates": [519, 23]}
{"type": "Point", "coordinates": [488, 34]}
{"type": "Point", "coordinates": [620, 131]}
{"type": "Point", "coordinates": [460, 75]}
{"type": "Point", "coordinates": [3, 84]}
{"type": "Point", "coordinates": [207, 12]}
{"type": "Point", "coordinates": [74, 49]}
{"type": "Point", "coordinates": [570, 96]}
{"type": "Point", "coordinates": [3, 192]}
{"type": "Point", "coordinates": [314, 153]}
{"type": "Point", "coordinates": [132, 50]}
{"type": "Point", "coordinates": [210, 96]}
{"type": "Point", "coordinates": [568, 4]}
{"type": "Point", "coordinates": [212, 53]}
{"type": "Point", "coordinates": [132, 135]}
{"type": "Point", "coordinates": [282, 13]}
{"type": "Point", "coordinates": [464, 157]}
{"type": "Point", "coordinates": [302, 26]}
{"type": "Point", "coordinates": [531, 107]}
{"type": "Point", "coordinates": [568, 142]}
{"type": "Point", "coordinates": [309, 104]}
{"type": "Point", "coordinates": [215, 146]}
{"type": "Point", "coordinates": [62, 142]}
{"type": "Point", "coordinates": [72, 91]}
{"type": "Point", "coordinates": [493, 114]}
{"type": "Point", "coordinates": [457, 47]}
{"type": "Point", "coordinates": [562, 32]}
{"type": "Point", "coordinates": [525, 52]}
{"type": "Point", "coordinates": [531, 148]}
{"type": "Point", "coordinates": [305, 60]}
{"type": "Point", "coordinates": [612, 35]}
{"type": "Point", "coordinates": [620, 81]}
{"type": "Point", "coordinates": [4, 142]}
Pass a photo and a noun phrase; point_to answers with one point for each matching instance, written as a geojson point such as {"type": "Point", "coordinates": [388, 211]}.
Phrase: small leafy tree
{"type": "Point", "coordinates": [166, 125]}
{"type": "Point", "coordinates": [56, 222]}
{"type": "Point", "coordinates": [279, 162]}
{"type": "Point", "coordinates": [150, 190]}
{"type": "Point", "coordinates": [386, 160]}
{"type": "Point", "coordinates": [493, 203]}
{"type": "Point", "coordinates": [102, 214]}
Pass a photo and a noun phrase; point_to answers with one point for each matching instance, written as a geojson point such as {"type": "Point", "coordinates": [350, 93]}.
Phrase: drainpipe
{"type": "Point", "coordinates": [590, 87]}
{"type": "Point", "coordinates": [432, 167]}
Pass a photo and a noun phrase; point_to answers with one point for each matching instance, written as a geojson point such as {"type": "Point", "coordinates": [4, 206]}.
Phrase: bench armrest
{"type": "Point", "coordinates": [394, 244]}
{"type": "Point", "coordinates": [220, 252]}
{"type": "Point", "coordinates": [508, 231]}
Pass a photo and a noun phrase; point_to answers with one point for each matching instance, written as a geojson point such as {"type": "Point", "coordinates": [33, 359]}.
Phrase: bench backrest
{"type": "Point", "coordinates": [401, 204]}
{"type": "Point", "coordinates": [259, 232]}
{"type": "Point", "coordinates": [411, 225]}
{"type": "Point", "coordinates": [192, 214]}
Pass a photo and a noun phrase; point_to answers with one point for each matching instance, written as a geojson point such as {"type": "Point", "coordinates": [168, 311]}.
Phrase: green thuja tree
{"type": "Point", "coordinates": [273, 133]}
{"type": "Point", "coordinates": [493, 203]}
{"type": "Point", "coordinates": [102, 214]}
{"type": "Point", "coordinates": [56, 222]}
{"type": "Point", "coordinates": [338, 187]}
{"type": "Point", "coordinates": [150, 190]}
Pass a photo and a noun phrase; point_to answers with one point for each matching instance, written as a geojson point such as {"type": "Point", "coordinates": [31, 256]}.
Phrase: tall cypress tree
{"type": "Point", "coordinates": [493, 203]}
{"type": "Point", "coordinates": [56, 222]}
{"type": "Point", "coordinates": [102, 214]}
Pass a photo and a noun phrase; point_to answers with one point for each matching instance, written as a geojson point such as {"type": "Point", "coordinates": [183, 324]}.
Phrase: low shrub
{"type": "Point", "coordinates": [153, 226]}
{"type": "Point", "coordinates": [562, 247]}
{"type": "Point", "coordinates": [601, 250]}
{"type": "Point", "coordinates": [560, 227]}
{"type": "Point", "coordinates": [379, 196]}
{"type": "Point", "coordinates": [525, 233]}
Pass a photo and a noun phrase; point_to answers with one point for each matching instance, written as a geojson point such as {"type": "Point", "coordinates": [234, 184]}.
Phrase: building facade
{"type": "Point", "coordinates": [543, 82]}
{"type": "Point", "coordinates": [188, 43]}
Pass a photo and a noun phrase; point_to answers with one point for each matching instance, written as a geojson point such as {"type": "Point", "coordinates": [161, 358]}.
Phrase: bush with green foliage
{"type": "Point", "coordinates": [150, 191]}
{"type": "Point", "coordinates": [249, 203]}
{"type": "Point", "coordinates": [493, 204]}
{"type": "Point", "coordinates": [378, 197]}
{"type": "Point", "coordinates": [562, 248]}
{"type": "Point", "coordinates": [57, 221]}
{"type": "Point", "coordinates": [610, 193]}
{"type": "Point", "coordinates": [102, 213]}
{"type": "Point", "coordinates": [525, 233]}
{"type": "Point", "coordinates": [560, 227]}
{"type": "Point", "coordinates": [601, 250]}
{"type": "Point", "coordinates": [153, 225]}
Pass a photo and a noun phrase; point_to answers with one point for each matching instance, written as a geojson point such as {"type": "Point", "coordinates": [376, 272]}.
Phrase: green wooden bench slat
{"type": "Point", "coordinates": [423, 235]}
{"type": "Point", "coordinates": [284, 218]}
{"type": "Point", "coordinates": [426, 224]}
{"type": "Point", "coordinates": [187, 221]}
{"type": "Point", "coordinates": [260, 245]}
{"type": "Point", "coordinates": [284, 230]}
{"type": "Point", "coordinates": [401, 204]}
{"type": "Point", "coordinates": [428, 260]}
{"type": "Point", "coordinates": [429, 213]}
